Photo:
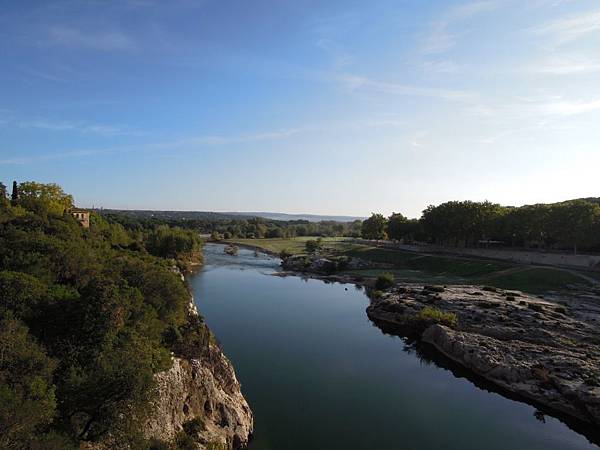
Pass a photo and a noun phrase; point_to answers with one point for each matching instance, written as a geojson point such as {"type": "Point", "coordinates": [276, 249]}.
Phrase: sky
{"type": "Point", "coordinates": [302, 106]}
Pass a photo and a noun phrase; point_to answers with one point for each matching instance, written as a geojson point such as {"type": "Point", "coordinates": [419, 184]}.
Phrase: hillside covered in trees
{"type": "Point", "coordinates": [571, 225]}
{"type": "Point", "coordinates": [87, 316]}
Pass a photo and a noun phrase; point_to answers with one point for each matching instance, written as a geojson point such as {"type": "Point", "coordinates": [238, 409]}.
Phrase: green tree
{"type": "Point", "coordinates": [27, 395]}
{"type": "Point", "coordinates": [374, 227]}
{"type": "Point", "coordinates": [574, 222]}
{"type": "Point", "coordinates": [397, 226]}
{"type": "Point", "coordinates": [51, 197]}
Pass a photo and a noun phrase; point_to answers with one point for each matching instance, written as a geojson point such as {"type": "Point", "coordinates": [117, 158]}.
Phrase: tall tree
{"type": "Point", "coordinates": [396, 228]}
{"type": "Point", "coordinates": [374, 227]}
{"type": "Point", "coordinates": [15, 193]}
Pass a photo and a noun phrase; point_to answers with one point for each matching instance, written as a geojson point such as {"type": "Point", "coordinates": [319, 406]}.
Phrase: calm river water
{"type": "Point", "coordinates": [319, 375]}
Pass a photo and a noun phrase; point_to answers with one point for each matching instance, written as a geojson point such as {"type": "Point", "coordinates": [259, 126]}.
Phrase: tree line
{"type": "Point", "coordinates": [250, 228]}
{"type": "Point", "coordinates": [572, 225]}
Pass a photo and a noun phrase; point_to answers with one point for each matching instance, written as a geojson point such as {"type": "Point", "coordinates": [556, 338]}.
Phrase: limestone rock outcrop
{"type": "Point", "coordinates": [205, 389]}
{"type": "Point", "coordinates": [546, 349]}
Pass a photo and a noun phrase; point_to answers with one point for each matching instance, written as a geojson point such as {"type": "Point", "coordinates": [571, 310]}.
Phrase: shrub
{"type": "Point", "coordinates": [433, 315]}
{"type": "Point", "coordinates": [535, 307]}
{"type": "Point", "coordinates": [312, 245]}
{"type": "Point", "coordinates": [377, 294]}
{"type": "Point", "coordinates": [384, 281]}
{"type": "Point", "coordinates": [193, 426]}
{"type": "Point", "coordinates": [185, 442]}
{"type": "Point", "coordinates": [431, 288]}
{"type": "Point", "coordinates": [285, 253]}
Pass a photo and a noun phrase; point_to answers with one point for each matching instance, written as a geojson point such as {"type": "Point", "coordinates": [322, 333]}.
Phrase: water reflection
{"type": "Point", "coordinates": [319, 375]}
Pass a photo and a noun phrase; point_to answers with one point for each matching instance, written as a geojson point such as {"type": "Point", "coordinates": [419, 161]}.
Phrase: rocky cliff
{"type": "Point", "coordinates": [205, 389]}
{"type": "Point", "coordinates": [544, 349]}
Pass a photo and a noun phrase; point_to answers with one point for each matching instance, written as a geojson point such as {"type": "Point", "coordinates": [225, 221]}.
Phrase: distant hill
{"type": "Point", "coordinates": [290, 217]}
{"type": "Point", "coordinates": [592, 200]}
{"type": "Point", "coordinates": [209, 215]}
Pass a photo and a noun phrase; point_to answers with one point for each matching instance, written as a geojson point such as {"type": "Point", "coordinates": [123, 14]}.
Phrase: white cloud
{"type": "Point", "coordinates": [106, 130]}
{"type": "Point", "coordinates": [440, 38]}
{"type": "Point", "coordinates": [105, 40]}
{"type": "Point", "coordinates": [569, 108]}
{"type": "Point", "coordinates": [571, 28]}
{"type": "Point", "coordinates": [356, 82]}
{"type": "Point", "coordinates": [565, 65]}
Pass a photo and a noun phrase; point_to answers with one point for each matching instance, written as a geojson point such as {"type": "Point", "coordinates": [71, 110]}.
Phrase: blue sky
{"type": "Point", "coordinates": [333, 107]}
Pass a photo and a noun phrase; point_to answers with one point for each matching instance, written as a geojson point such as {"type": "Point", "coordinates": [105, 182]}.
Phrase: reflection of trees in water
{"type": "Point", "coordinates": [428, 355]}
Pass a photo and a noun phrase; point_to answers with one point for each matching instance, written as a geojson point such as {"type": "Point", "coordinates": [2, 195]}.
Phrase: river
{"type": "Point", "coordinates": [320, 376]}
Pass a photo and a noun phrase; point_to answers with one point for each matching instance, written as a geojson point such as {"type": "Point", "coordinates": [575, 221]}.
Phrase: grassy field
{"type": "Point", "coordinates": [415, 267]}
{"type": "Point", "coordinates": [295, 245]}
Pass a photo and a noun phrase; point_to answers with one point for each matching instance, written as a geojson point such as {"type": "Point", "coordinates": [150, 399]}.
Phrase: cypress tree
{"type": "Point", "coordinates": [15, 192]}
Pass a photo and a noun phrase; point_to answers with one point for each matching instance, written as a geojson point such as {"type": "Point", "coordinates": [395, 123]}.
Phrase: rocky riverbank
{"type": "Point", "coordinates": [203, 391]}
{"type": "Point", "coordinates": [546, 350]}
{"type": "Point", "coordinates": [207, 392]}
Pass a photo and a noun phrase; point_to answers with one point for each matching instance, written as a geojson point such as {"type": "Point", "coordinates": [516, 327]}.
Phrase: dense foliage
{"type": "Point", "coordinates": [87, 316]}
{"type": "Point", "coordinates": [571, 225]}
{"type": "Point", "coordinates": [241, 228]}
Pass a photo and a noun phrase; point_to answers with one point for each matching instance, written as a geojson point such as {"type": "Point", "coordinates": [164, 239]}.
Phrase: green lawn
{"type": "Point", "coordinates": [414, 267]}
{"type": "Point", "coordinates": [294, 245]}
{"type": "Point", "coordinates": [537, 280]}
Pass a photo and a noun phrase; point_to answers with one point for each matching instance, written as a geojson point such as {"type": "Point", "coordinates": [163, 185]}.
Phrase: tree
{"type": "Point", "coordinates": [574, 222]}
{"type": "Point", "coordinates": [35, 196]}
{"type": "Point", "coordinates": [397, 226]}
{"type": "Point", "coordinates": [15, 193]}
{"type": "Point", "coordinates": [27, 395]}
{"type": "Point", "coordinates": [374, 227]}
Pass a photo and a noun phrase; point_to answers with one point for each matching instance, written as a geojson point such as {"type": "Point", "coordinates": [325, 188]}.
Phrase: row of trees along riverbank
{"type": "Point", "coordinates": [573, 225]}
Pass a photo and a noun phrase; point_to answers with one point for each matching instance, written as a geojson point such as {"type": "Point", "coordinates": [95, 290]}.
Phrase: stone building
{"type": "Point", "coordinates": [82, 216]}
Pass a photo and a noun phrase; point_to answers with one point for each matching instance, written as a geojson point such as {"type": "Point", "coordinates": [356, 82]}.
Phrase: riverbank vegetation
{"type": "Point", "coordinates": [568, 226]}
{"type": "Point", "coordinates": [87, 316]}
{"type": "Point", "coordinates": [424, 268]}
{"type": "Point", "coordinates": [572, 225]}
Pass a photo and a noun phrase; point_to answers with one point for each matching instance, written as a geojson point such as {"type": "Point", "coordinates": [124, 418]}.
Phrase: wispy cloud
{"type": "Point", "coordinates": [189, 143]}
{"type": "Point", "coordinates": [357, 82]}
{"type": "Point", "coordinates": [441, 37]}
{"type": "Point", "coordinates": [565, 65]}
{"type": "Point", "coordinates": [100, 40]}
{"type": "Point", "coordinates": [570, 28]}
{"type": "Point", "coordinates": [569, 108]}
{"type": "Point", "coordinates": [107, 130]}
{"type": "Point", "coordinates": [204, 142]}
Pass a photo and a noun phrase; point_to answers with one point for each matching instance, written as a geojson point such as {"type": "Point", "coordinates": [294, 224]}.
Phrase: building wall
{"type": "Point", "coordinates": [83, 218]}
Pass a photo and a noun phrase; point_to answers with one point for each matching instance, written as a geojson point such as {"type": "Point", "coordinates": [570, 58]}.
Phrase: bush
{"type": "Point", "coordinates": [185, 442]}
{"type": "Point", "coordinates": [193, 427]}
{"type": "Point", "coordinates": [431, 288]}
{"type": "Point", "coordinates": [285, 253]}
{"type": "Point", "coordinates": [384, 281]}
{"type": "Point", "coordinates": [433, 315]}
{"type": "Point", "coordinates": [312, 245]}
